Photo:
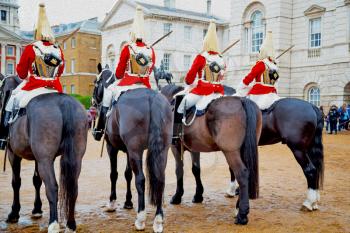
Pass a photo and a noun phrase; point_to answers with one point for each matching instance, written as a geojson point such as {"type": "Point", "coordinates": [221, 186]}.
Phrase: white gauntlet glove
{"type": "Point", "coordinates": [242, 90]}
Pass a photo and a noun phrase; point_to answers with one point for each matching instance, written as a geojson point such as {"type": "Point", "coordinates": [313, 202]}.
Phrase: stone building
{"type": "Point", "coordinates": [317, 69]}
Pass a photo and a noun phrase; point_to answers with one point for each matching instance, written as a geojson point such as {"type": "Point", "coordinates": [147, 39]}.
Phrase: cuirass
{"type": "Point", "coordinates": [214, 69]}
{"type": "Point", "coordinates": [140, 61]}
{"type": "Point", "coordinates": [270, 75]}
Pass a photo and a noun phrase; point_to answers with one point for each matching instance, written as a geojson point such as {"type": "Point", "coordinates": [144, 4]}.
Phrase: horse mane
{"type": "Point", "coordinates": [171, 90]}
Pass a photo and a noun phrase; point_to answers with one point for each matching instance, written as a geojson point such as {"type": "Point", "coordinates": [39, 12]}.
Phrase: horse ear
{"type": "Point", "coordinates": [99, 68]}
{"type": "Point", "coordinates": [107, 66]}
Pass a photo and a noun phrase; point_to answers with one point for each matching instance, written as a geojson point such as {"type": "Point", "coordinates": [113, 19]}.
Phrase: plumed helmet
{"type": "Point", "coordinates": [43, 30]}
{"type": "Point", "coordinates": [266, 49]}
{"type": "Point", "coordinates": [210, 42]}
{"type": "Point", "coordinates": [138, 27]}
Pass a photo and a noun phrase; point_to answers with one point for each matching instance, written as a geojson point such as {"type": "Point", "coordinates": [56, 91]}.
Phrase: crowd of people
{"type": "Point", "coordinates": [337, 119]}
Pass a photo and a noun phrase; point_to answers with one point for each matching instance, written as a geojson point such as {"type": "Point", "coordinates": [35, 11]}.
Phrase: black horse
{"type": "Point", "coordinates": [161, 74]}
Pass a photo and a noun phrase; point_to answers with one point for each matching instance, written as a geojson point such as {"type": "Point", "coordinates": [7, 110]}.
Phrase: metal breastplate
{"type": "Point", "coordinates": [214, 69]}
{"type": "Point", "coordinates": [270, 75]}
{"type": "Point", "coordinates": [47, 61]}
{"type": "Point", "coordinates": [140, 61]}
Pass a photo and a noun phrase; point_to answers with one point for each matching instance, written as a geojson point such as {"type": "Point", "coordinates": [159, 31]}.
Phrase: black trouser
{"type": "Point", "coordinates": [333, 126]}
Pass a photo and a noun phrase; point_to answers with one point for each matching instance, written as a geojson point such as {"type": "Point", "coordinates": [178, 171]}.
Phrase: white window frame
{"type": "Point", "coordinates": [188, 33]}
{"type": "Point", "coordinates": [64, 45]}
{"type": "Point", "coordinates": [6, 13]}
{"type": "Point", "coordinates": [72, 89]}
{"type": "Point", "coordinates": [73, 43]}
{"type": "Point", "coordinates": [10, 71]}
{"type": "Point", "coordinates": [311, 45]}
{"type": "Point", "coordinates": [314, 95]}
{"type": "Point", "coordinates": [72, 66]}
{"type": "Point", "coordinates": [167, 27]}
{"type": "Point", "coordinates": [64, 87]}
{"type": "Point", "coordinates": [167, 61]}
{"type": "Point", "coordinates": [187, 62]}
{"type": "Point", "coordinates": [256, 42]}
{"type": "Point", "coordinates": [7, 50]}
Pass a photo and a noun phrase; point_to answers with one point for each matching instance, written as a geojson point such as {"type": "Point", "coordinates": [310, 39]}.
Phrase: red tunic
{"type": "Point", "coordinates": [24, 69]}
{"type": "Point", "coordinates": [203, 87]}
{"type": "Point", "coordinates": [256, 74]}
{"type": "Point", "coordinates": [126, 79]}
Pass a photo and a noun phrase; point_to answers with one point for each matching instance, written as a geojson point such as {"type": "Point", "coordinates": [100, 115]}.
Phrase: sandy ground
{"type": "Point", "coordinates": [282, 190]}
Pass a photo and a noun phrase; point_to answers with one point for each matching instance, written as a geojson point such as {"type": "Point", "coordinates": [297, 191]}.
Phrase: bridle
{"type": "Point", "coordinates": [98, 84]}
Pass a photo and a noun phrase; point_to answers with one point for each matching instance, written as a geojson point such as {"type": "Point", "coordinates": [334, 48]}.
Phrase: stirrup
{"type": "Point", "coordinates": [191, 122]}
{"type": "Point", "coordinates": [3, 144]}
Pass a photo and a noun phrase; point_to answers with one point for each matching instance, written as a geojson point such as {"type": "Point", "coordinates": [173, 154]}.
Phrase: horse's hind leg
{"type": "Point", "coordinates": [176, 149]}
{"type": "Point", "coordinates": [310, 173]}
{"type": "Point", "coordinates": [16, 185]}
{"type": "Point", "coordinates": [242, 175]}
{"type": "Point", "coordinates": [37, 182]}
{"type": "Point", "coordinates": [233, 188]}
{"type": "Point", "coordinates": [112, 153]}
{"type": "Point", "coordinates": [128, 176]}
{"type": "Point", "coordinates": [196, 170]}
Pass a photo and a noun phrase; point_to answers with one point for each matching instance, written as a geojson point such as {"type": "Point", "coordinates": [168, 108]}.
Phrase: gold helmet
{"type": "Point", "coordinates": [137, 30]}
{"type": "Point", "coordinates": [210, 42]}
{"type": "Point", "coordinates": [266, 49]}
{"type": "Point", "coordinates": [43, 30]}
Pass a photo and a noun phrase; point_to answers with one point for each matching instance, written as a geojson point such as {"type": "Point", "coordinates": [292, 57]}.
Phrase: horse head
{"type": "Point", "coordinates": [7, 84]}
{"type": "Point", "coordinates": [104, 79]}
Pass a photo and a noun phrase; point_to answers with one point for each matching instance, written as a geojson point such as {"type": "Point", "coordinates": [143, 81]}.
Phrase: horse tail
{"type": "Point", "coordinates": [249, 149]}
{"type": "Point", "coordinates": [316, 149]}
{"type": "Point", "coordinates": [157, 148]}
{"type": "Point", "coordinates": [69, 165]}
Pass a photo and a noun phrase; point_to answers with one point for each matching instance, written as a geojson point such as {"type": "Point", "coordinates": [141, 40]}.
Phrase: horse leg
{"type": "Point", "coordinates": [310, 173]}
{"type": "Point", "coordinates": [128, 176]}
{"type": "Point", "coordinates": [16, 185]}
{"type": "Point", "coordinates": [233, 188]}
{"type": "Point", "coordinates": [47, 174]}
{"type": "Point", "coordinates": [112, 153]}
{"type": "Point", "coordinates": [176, 199]}
{"type": "Point", "coordinates": [136, 166]}
{"type": "Point", "coordinates": [242, 174]}
{"type": "Point", "coordinates": [37, 182]}
{"type": "Point", "coordinates": [196, 170]}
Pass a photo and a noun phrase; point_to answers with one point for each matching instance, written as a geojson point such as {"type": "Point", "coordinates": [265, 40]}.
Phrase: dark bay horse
{"type": "Point", "coordinates": [231, 125]}
{"type": "Point", "coordinates": [54, 124]}
{"type": "Point", "coordinates": [141, 119]}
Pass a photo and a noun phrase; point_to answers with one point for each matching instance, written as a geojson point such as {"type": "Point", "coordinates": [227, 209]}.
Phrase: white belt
{"type": "Point", "coordinates": [138, 75]}
{"type": "Point", "coordinates": [205, 81]}
{"type": "Point", "coordinates": [264, 84]}
{"type": "Point", "coordinates": [44, 79]}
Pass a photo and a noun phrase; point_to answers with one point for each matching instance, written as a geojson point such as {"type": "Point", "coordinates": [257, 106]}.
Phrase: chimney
{"type": "Point", "coordinates": [209, 7]}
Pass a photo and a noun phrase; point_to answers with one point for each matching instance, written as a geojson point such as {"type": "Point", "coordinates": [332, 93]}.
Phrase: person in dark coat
{"type": "Point", "coordinates": [333, 116]}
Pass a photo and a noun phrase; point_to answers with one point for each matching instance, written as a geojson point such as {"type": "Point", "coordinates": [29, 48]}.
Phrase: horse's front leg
{"type": "Point", "coordinates": [176, 149]}
{"type": "Point", "coordinates": [112, 153]}
{"type": "Point", "coordinates": [196, 170]}
{"type": "Point", "coordinates": [128, 176]}
{"type": "Point", "coordinates": [37, 182]}
{"type": "Point", "coordinates": [233, 188]}
{"type": "Point", "coordinates": [16, 185]}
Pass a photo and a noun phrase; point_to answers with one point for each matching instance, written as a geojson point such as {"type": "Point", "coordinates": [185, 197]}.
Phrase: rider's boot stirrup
{"type": "Point", "coordinates": [4, 129]}
{"type": "Point", "coordinates": [99, 130]}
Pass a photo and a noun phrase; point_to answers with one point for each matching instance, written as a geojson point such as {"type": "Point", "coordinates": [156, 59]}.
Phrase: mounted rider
{"type": "Point", "coordinates": [135, 65]}
{"type": "Point", "coordinates": [209, 69]}
{"type": "Point", "coordinates": [265, 75]}
{"type": "Point", "coordinates": [40, 67]}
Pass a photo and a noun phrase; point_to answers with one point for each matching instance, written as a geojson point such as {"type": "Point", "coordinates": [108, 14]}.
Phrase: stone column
{"type": "Point", "coordinates": [18, 54]}
{"type": "Point", "coordinates": [3, 58]}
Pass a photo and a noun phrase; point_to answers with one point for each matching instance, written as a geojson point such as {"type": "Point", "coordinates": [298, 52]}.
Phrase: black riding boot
{"type": "Point", "coordinates": [4, 129]}
{"type": "Point", "coordinates": [99, 130]}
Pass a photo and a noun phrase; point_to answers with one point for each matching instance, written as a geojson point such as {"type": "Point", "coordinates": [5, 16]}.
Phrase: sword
{"type": "Point", "coordinates": [229, 47]}
{"type": "Point", "coordinates": [160, 39]}
{"type": "Point", "coordinates": [284, 52]}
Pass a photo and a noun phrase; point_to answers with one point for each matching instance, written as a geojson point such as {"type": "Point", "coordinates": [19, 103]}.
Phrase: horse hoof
{"type": "Point", "coordinates": [128, 205]}
{"type": "Point", "coordinates": [158, 224]}
{"type": "Point", "coordinates": [112, 206]}
{"type": "Point", "coordinates": [175, 200]}
{"type": "Point", "coordinates": [307, 207]}
{"type": "Point", "coordinates": [53, 228]}
{"type": "Point", "coordinates": [67, 230]}
{"type": "Point", "coordinates": [315, 206]}
{"type": "Point", "coordinates": [197, 199]}
{"type": "Point", "coordinates": [37, 215]}
{"type": "Point", "coordinates": [241, 220]}
{"type": "Point", "coordinates": [12, 218]}
{"type": "Point", "coordinates": [140, 222]}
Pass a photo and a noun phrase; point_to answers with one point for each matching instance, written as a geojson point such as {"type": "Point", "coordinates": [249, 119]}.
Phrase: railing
{"type": "Point", "coordinates": [314, 53]}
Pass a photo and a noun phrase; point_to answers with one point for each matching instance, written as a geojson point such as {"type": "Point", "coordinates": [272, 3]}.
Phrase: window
{"type": "Point", "coordinates": [167, 28]}
{"type": "Point", "coordinates": [205, 32]}
{"type": "Point", "coordinates": [10, 50]}
{"type": "Point", "coordinates": [187, 62]}
{"type": "Point", "coordinates": [166, 61]}
{"type": "Point", "coordinates": [188, 33]}
{"type": "Point", "coordinates": [72, 89]}
{"type": "Point", "coordinates": [10, 69]}
{"type": "Point", "coordinates": [314, 96]}
{"type": "Point", "coordinates": [315, 33]}
{"type": "Point", "coordinates": [72, 68]}
{"type": "Point", "coordinates": [258, 31]}
{"type": "Point", "coordinates": [64, 45]}
{"type": "Point", "coordinates": [208, 7]}
{"type": "Point", "coordinates": [3, 15]}
{"type": "Point", "coordinates": [169, 3]}
{"type": "Point", "coordinates": [73, 44]}
{"type": "Point", "coordinates": [64, 89]}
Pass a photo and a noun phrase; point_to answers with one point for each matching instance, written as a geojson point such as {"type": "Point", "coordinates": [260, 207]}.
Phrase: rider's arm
{"type": "Point", "coordinates": [196, 68]}
{"type": "Point", "coordinates": [61, 68]}
{"type": "Point", "coordinates": [25, 62]}
{"type": "Point", "coordinates": [256, 71]}
{"type": "Point", "coordinates": [123, 62]}
{"type": "Point", "coordinates": [153, 60]}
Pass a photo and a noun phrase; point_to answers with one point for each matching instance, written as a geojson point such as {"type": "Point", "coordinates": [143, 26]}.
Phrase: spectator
{"type": "Point", "coordinates": [324, 116]}
{"type": "Point", "coordinates": [333, 116]}
{"type": "Point", "coordinates": [343, 118]}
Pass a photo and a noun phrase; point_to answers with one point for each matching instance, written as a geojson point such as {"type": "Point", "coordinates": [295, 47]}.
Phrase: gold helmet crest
{"type": "Point", "coordinates": [43, 29]}
{"type": "Point", "coordinates": [210, 42]}
{"type": "Point", "coordinates": [138, 27]}
{"type": "Point", "coordinates": [266, 49]}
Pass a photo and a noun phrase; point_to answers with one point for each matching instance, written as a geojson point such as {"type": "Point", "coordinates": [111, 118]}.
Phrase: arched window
{"type": "Point", "coordinates": [258, 31]}
{"type": "Point", "coordinates": [314, 96]}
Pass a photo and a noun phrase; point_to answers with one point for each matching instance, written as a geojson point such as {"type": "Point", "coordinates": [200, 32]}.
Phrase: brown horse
{"type": "Point", "coordinates": [51, 125]}
{"type": "Point", "coordinates": [231, 125]}
{"type": "Point", "coordinates": [140, 119]}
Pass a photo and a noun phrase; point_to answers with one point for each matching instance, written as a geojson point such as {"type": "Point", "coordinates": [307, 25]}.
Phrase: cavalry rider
{"type": "Point", "coordinates": [40, 67]}
{"type": "Point", "coordinates": [265, 75]}
{"type": "Point", "coordinates": [135, 65]}
{"type": "Point", "coordinates": [209, 69]}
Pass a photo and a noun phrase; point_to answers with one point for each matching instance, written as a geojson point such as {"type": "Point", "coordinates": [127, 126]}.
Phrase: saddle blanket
{"type": "Point", "coordinates": [264, 101]}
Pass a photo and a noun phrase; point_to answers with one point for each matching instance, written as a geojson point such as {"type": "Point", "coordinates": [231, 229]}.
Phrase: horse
{"type": "Point", "coordinates": [231, 125]}
{"type": "Point", "coordinates": [159, 74]}
{"type": "Point", "coordinates": [52, 125]}
{"type": "Point", "coordinates": [294, 122]}
{"type": "Point", "coordinates": [140, 119]}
